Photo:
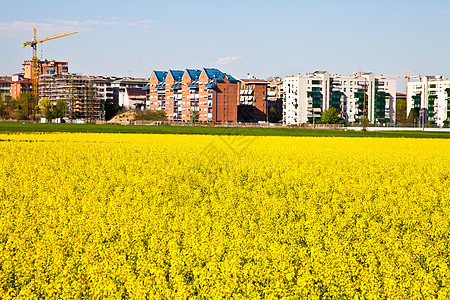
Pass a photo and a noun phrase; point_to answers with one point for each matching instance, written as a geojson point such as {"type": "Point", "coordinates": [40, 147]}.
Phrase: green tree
{"type": "Point", "coordinates": [364, 122]}
{"type": "Point", "coordinates": [194, 116]}
{"type": "Point", "coordinates": [47, 109]}
{"type": "Point", "coordinates": [111, 110]}
{"type": "Point", "coordinates": [400, 109]}
{"type": "Point", "coordinates": [3, 106]}
{"type": "Point", "coordinates": [60, 109]}
{"type": "Point", "coordinates": [273, 115]}
{"type": "Point", "coordinates": [149, 115]}
{"type": "Point", "coordinates": [22, 106]}
{"type": "Point", "coordinates": [330, 116]}
{"type": "Point", "coordinates": [161, 115]}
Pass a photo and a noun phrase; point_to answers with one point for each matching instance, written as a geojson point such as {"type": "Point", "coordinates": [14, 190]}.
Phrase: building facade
{"type": "Point", "coordinates": [252, 100]}
{"type": "Point", "coordinates": [275, 99]}
{"type": "Point", "coordinates": [429, 99]}
{"type": "Point", "coordinates": [305, 97]}
{"type": "Point", "coordinates": [132, 98]}
{"type": "Point", "coordinates": [45, 67]}
{"type": "Point", "coordinates": [5, 85]}
{"type": "Point", "coordinates": [206, 95]}
{"type": "Point", "coordinates": [78, 92]}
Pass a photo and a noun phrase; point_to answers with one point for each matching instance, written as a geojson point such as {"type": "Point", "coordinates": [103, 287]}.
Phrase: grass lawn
{"type": "Point", "coordinates": [107, 128]}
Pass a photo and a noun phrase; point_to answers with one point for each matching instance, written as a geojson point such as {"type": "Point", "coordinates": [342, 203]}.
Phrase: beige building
{"type": "Point", "coordinates": [45, 67]}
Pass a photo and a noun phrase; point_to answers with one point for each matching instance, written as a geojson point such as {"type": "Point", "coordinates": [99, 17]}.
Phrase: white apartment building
{"type": "Point", "coordinates": [307, 96]}
{"type": "Point", "coordinates": [432, 94]}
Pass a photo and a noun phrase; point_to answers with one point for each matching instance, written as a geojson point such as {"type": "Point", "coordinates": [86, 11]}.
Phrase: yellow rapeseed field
{"type": "Point", "coordinates": [107, 216]}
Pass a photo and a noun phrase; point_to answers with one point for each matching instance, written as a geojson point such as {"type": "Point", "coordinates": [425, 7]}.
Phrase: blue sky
{"type": "Point", "coordinates": [263, 38]}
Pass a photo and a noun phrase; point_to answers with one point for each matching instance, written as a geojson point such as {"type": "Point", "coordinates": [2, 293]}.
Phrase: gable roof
{"type": "Point", "coordinates": [160, 75]}
{"type": "Point", "coordinates": [215, 75]}
{"type": "Point", "coordinates": [176, 74]}
{"type": "Point", "coordinates": [193, 74]}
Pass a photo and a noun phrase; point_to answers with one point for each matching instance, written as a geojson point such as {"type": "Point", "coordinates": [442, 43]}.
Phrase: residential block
{"type": "Point", "coordinates": [354, 97]}
{"type": "Point", "coordinates": [430, 97]}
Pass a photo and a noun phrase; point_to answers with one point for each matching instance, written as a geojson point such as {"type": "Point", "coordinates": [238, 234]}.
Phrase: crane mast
{"type": "Point", "coordinates": [34, 64]}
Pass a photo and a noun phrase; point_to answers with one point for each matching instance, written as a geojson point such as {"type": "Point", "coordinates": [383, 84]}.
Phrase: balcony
{"type": "Point", "coordinates": [246, 92]}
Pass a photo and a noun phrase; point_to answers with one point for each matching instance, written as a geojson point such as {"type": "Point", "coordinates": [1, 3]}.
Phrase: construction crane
{"type": "Point", "coordinates": [34, 68]}
{"type": "Point", "coordinates": [407, 77]}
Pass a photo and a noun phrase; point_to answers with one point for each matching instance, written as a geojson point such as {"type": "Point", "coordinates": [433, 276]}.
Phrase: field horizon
{"type": "Point", "coordinates": [204, 130]}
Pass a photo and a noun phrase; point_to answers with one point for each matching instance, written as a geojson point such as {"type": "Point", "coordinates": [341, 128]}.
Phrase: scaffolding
{"type": "Point", "coordinates": [78, 92]}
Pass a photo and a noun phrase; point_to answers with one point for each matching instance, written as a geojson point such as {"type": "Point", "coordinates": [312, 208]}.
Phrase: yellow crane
{"type": "Point", "coordinates": [34, 71]}
{"type": "Point", "coordinates": [407, 77]}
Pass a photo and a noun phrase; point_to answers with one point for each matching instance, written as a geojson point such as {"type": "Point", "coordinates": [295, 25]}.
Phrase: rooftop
{"type": "Point", "coordinates": [254, 81]}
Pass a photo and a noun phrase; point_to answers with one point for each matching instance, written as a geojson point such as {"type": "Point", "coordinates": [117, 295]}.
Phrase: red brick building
{"type": "Point", "coordinates": [252, 100]}
{"type": "Point", "coordinates": [190, 95]}
{"type": "Point", "coordinates": [208, 95]}
{"type": "Point", "coordinates": [156, 91]}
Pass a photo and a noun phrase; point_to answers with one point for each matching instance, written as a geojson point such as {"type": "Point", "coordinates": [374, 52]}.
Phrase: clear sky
{"type": "Point", "coordinates": [263, 38]}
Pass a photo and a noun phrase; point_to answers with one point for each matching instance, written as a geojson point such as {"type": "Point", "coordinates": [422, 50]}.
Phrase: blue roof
{"type": "Point", "coordinates": [231, 78]}
{"type": "Point", "coordinates": [193, 74]}
{"type": "Point", "coordinates": [211, 84]}
{"type": "Point", "coordinates": [161, 85]}
{"type": "Point", "coordinates": [146, 86]}
{"type": "Point", "coordinates": [193, 85]}
{"type": "Point", "coordinates": [160, 75]}
{"type": "Point", "coordinates": [176, 86]}
{"type": "Point", "coordinates": [218, 75]}
{"type": "Point", "coordinates": [177, 74]}
{"type": "Point", "coordinates": [212, 73]}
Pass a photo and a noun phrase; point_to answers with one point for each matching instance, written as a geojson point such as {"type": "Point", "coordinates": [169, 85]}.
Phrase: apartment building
{"type": "Point", "coordinates": [79, 93]}
{"type": "Point", "coordinates": [127, 92]}
{"type": "Point", "coordinates": [362, 94]}
{"type": "Point", "coordinates": [190, 95]}
{"type": "Point", "coordinates": [156, 92]}
{"type": "Point", "coordinates": [45, 67]}
{"type": "Point", "coordinates": [275, 98]}
{"type": "Point", "coordinates": [206, 95]}
{"type": "Point", "coordinates": [132, 98]}
{"type": "Point", "coordinates": [5, 85]}
{"type": "Point", "coordinates": [20, 85]}
{"type": "Point", "coordinates": [431, 97]}
{"type": "Point", "coordinates": [252, 100]}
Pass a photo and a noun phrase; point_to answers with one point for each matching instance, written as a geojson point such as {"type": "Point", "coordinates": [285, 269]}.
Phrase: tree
{"type": "Point", "coordinates": [60, 109]}
{"type": "Point", "coordinates": [149, 115]}
{"type": "Point", "coordinates": [3, 106]}
{"type": "Point", "coordinates": [111, 110]}
{"type": "Point", "coordinates": [330, 116]}
{"type": "Point", "coordinates": [22, 106]}
{"type": "Point", "coordinates": [364, 122]}
{"type": "Point", "coordinates": [273, 115]}
{"type": "Point", "coordinates": [47, 109]}
{"type": "Point", "coordinates": [194, 116]}
{"type": "Point", "coordinates": [413, 116]}
{"type": "Point", "coordinates": [400, 110]}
